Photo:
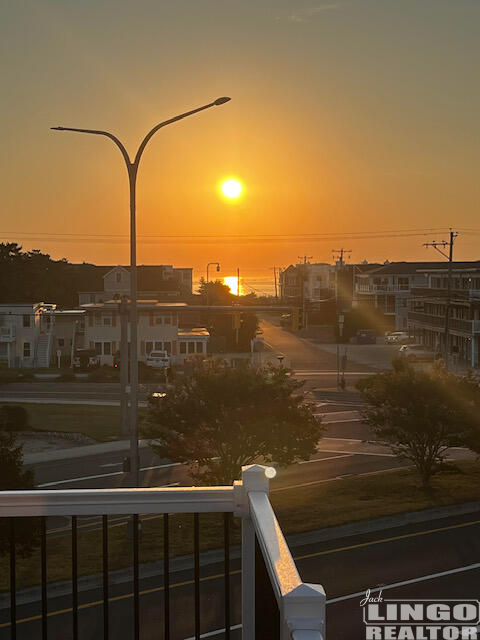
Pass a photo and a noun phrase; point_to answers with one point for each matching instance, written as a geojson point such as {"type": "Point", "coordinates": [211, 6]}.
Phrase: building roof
{"type": "Point", "coordinates": [150, 277]}
{"type": "Point", "coordinates": [110, 305]}
{"type": "Point", "coordinates": [410, 268]}
{"type": "Point", "coordinates": [198, 332]}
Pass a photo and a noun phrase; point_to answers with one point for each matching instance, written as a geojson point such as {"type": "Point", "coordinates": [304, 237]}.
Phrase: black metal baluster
{"type": "Point", "coordinates": [105, 576]}
{"type": "Point", "coordinates": [226, 540]}
{"type": "Point", "coordinates": [74, 579]}
{"type": "Point", "coordinates": [136, 603]}
{"type": "Point", "coordinates": [43, 550]}
{"type": "Point", "coordinates": [166, 579]}
{"type": "Point", "coordinates": [196, 555]}
{"type": "Point", "coordinates": [13, 583]}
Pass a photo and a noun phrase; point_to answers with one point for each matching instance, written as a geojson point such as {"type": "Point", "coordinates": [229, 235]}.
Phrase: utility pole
{"type": "Point", "coordinates": [124, 365]}
{"type": "Point", "coordinates": [304, 279]}
{"type": "Point", "coordinates": [275, 279]}
{"type": "Point", "coordinates": [339, 263]}
{"type": "Point", "coordinates": [440, 247]}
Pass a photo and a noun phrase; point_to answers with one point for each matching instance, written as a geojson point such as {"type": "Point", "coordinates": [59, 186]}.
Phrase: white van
{"type": "Point", "coordinates": [158, 359]}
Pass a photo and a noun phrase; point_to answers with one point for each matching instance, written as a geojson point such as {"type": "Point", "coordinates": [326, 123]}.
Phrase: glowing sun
{"type": "Point", "coordinates": [231, 188]}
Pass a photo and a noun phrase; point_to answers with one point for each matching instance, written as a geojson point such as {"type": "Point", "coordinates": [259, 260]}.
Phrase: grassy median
{"type": "Point", "coordinates": [99, 422]}
{"type": "Point", "coordinates": [302, 509]}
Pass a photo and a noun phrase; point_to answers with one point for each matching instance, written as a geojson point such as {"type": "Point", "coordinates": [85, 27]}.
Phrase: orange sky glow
{"type": "Point", "coordinates": [350, 120]}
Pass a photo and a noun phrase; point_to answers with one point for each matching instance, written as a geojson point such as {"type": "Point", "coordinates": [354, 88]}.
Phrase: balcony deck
{"type": "Point", "coordinates": [270, 602]}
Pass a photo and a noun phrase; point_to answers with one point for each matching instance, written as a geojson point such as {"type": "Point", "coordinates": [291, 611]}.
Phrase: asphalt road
{"type": "Point", "coordinates": [404, 562]}
{"type": "Point", "coordinates": [317, 363]}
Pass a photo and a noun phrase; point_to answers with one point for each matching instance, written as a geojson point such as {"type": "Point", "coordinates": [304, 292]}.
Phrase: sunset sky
{"type": "Point", "coordinates": [346, 117]}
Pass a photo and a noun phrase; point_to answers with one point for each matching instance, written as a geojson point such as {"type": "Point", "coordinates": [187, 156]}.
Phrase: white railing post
{"type": "Point", "coordinates": [253, 479]}
{"type": "Point", "coordinates": [304, 613]}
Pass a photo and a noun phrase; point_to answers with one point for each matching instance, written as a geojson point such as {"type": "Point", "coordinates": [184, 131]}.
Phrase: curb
{"type": "Point", "coordinates": [182, 563]}
{"type": "Point", "coordinates": [80, 452]}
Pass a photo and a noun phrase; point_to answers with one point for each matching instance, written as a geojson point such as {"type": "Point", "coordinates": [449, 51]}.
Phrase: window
{"type": "Point", "coordinates": [107, 348]}
{"type": "Point", "coordinates": [98, 318]}
{"type": "Point", "coordinates": [98, 348]}
{"type": "Point", "coordinates": [158, 346]}
{"type": "Point", "coordinates": [167, 320]}
{"type": "Point", "coordinates": [92, 298]}
{"type": "Point", "coordinates": [148, 347]}
{"type": "Point", "coordinates": [158, 319]}
{"type": "Point", "coordinates": [191, 347]}
{"type": "Point", "coordinates": [26, 321]}
{"type": "Point", "coordinates": [183, 347]}
{"type": "Point", "coordinates": [118, 276]}
{"type": "Point", "coordinates": [168, 347]}
{"type": "Point", "coordinates": [107, 321]}
{"type": "Point", "coordinates": [26, 349]}
{"type": "Point", "coordinates": [61, 342]}
{"type": "Point", "coordinates": [199, 347]}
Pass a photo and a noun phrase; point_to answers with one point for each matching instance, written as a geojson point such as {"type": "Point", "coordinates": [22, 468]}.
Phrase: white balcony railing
{"type": "Point", "coordinates": [298, 608]}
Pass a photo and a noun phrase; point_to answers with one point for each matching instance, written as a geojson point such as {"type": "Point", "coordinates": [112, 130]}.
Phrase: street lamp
{"type": "Point", "coordinates": [132, 169]}
{"type": "Point", "coordinates": [212, 263]}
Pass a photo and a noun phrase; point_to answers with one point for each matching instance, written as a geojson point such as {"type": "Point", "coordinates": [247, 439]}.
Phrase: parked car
{"type": "Point", "coordinates": [158, 359]}
{"type": "Point", "coordinates": [397, 337]}
{"type": "Point", "coordinates": [366, 336]}
{"type": "Point", "coordinates": [416, 353]}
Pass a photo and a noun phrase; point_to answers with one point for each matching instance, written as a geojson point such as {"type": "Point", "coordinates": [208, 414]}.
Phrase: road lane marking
{"type": "Point", "coordinates": [361, 594]}
{"type": "Point", "coordinates": [346, 455]}
{"type": "Point", "coordinates": [359, 453]}
{"type": "Point", "coordinates": [105, 475]}
{"type": "Point", "coordinates": [394, 585]}
{"type": "Point", "coordinates": [217, 576]}
{"type": "Point", "coordinates": [356, 475]}
{"type": "Point", "coordinates": [370, 543]}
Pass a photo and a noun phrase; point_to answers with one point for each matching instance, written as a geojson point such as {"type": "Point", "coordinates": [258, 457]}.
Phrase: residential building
{"type": "Point", "coordinates": [426, 319]}
{"type": "Point", "coordinates": [158, 329]}
{"type": "Point", "coordinates": [162, 282]}
{"type": "Point", "coordinates": [68, 334]}
{"type": "Point", "coordinates": [26, 334]}
{"type": "Point", "coordinates": [388, 290]}
{"type": "Point", "coordinates": [312, 282]}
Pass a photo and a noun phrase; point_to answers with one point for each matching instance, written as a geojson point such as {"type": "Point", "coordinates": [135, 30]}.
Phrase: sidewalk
{"type": "Point", "coordinates": [80, 452]}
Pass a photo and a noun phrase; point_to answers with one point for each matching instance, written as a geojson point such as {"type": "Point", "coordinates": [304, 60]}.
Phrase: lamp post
{"type": "Point", "coordinates": [211, 264]}
{"type": "Point", "coordinates": [132, 169]}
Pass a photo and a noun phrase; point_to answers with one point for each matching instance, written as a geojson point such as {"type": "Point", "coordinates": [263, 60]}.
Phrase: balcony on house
{"type": "Point", "coordinates": [245, 587]}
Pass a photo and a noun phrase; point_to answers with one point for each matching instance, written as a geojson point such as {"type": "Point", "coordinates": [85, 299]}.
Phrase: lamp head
{"type": "Point", "coordinates": [218, 267]}
{"type": "Point", "coordinates": [221, 100]}
{"type": "Point", "coordinates": [57, 128]}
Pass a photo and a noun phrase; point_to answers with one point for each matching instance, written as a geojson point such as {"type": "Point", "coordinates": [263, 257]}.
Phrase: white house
{"type": "Point", "coordinates": [26, 334]}
{"type": "Point", "coordinates": [155, 282]}
{"type": "Point", "coordinates": [157, 330]}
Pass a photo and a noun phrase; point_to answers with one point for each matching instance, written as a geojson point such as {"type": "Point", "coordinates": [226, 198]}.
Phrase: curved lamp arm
{"type": "Point", "coordinates": [144, 143]}
{"type": "Point", "coordinates": [134, 165]}
{"type": "Point", "coordinates": [100, 133]}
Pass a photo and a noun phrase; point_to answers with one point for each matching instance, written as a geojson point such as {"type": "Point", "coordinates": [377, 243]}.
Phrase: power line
{"type": "Point", "coordinates": [379, 233]}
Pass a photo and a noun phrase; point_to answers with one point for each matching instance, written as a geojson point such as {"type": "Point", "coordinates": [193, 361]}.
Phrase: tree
{"type": "Point", "coordinates": [420, 414]}
{"type": "Point", "coordinates": [221, 418]}
{"type": "Point", "coordinates": [13, 477]}
{"type": "Point", "coordinates": [215, 292]}
{"type": "Point", "coordinates": [13, 417]}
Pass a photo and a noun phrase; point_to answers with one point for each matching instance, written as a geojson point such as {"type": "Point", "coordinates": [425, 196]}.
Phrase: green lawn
{"type": "Point", "coordinates": [301, 509]}
{"type": "Point", "coordinates": [98, 422]}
